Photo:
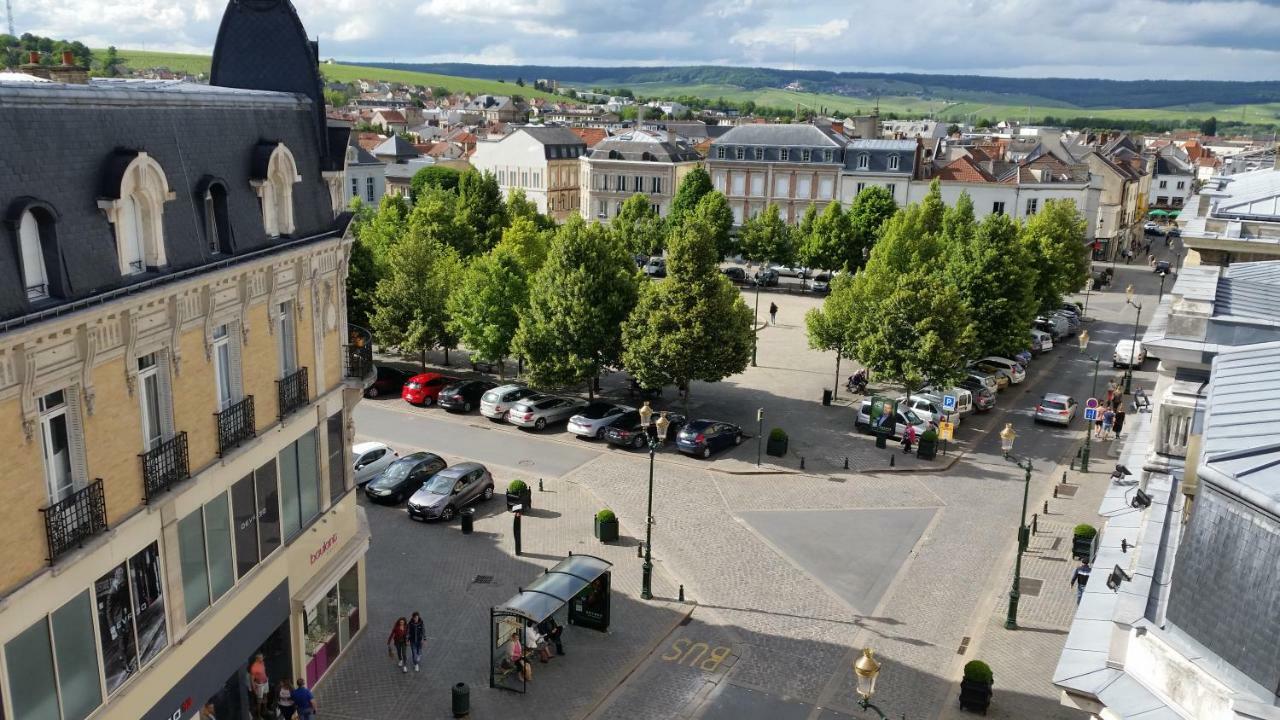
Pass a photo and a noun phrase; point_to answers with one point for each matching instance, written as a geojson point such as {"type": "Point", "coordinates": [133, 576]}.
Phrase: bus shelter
{"type": "Point", "coordinates": [580, 582]}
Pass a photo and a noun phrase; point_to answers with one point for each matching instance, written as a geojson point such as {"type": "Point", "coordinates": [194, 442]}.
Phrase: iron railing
{"type": "Point", "coordinates": [164, 465]}
{"type": "Point", "coordinates": [235, 425]}
{"type": "Point", "coordinates": [359, 362]}
{"type": "Point", "coordinates": [292, 392]}
{"type": "Point", "coordinates": [74, 519]}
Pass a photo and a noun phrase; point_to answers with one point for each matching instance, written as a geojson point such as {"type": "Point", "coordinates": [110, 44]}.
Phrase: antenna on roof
{"type": "Point", "coordinates": [8, 8]}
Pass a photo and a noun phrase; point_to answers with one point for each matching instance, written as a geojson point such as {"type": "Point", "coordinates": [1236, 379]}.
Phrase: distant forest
{"type": "Point", "coordinates": [1082, 93]}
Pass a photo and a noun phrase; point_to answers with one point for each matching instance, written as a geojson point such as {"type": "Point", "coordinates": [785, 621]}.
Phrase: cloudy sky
{"type": "Point", "coordinates": [1164, 39]}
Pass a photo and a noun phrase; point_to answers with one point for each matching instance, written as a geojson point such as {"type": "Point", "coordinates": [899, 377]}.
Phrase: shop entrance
{"type": "Point", "coordinates": [235, 699]}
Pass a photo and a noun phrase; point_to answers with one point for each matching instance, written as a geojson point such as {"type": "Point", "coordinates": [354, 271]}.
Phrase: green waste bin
{"type": "Point", "coordinates": [461, 700]}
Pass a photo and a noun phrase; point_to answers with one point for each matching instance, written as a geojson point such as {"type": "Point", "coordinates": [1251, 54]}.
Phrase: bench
{"type": "Point", "coordinates": [484, 367]}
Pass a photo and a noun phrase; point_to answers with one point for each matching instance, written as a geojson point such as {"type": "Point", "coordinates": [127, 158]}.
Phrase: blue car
{"type": "Point", "coordinates": [703, 437]}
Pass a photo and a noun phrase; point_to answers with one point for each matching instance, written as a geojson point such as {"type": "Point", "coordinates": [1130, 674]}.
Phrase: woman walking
{"type": "Point", "coordinates": [284, 700]}
{"type": "Point", "coordinates": [417, 636]}
{"type": "Point", "coordinates": [400, 638]}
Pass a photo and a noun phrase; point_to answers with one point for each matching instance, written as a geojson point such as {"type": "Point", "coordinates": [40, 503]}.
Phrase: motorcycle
{"type": "Point", "coordinates": [856, 384]}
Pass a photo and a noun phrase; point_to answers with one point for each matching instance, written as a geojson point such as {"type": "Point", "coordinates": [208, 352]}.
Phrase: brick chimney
{"type": "Point", "coordinates": [68, 72]}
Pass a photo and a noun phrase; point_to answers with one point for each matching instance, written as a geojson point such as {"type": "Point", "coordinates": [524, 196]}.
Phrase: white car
{"type": "Point", "coordinates": [1012, 367]}
{"type": "Point", "coordinates": [1128, 353]}
{"type": "Point", "coordinates": [370, 459]}
{"type": "Point", "coordinates": [1045, 339]}
{"type": "Point", "coordinates": [594, 418]}
{"type": "Point", "coordinates": [901, 417]}
{"type": "Point", "coordinates": [791, 271]}
{"type": "Point", "coordinates": [495, 403]}
{"type": "Point", "coordinates": [1056, 408]}
{"type": "Point", "coordinates": [964, 398]}
{"type": "Point", "coordinates": [929, 407]}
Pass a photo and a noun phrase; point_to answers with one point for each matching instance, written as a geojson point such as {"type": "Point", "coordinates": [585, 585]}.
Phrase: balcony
{"type": "Point", "coordinates": [235, 425]}
{"type": "Point", "coordinates": [164, 465]}
{"type": "Point", "coordinates": [293, 392]}
{"type": "Point", "coordinates": [74, 519]}
{"type": "Point", "coordinates": [358, 356]}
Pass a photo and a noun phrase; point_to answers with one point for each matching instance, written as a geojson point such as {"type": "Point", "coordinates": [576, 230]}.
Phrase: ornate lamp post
{"type": "Point", "coordinates": [866, 670]}
{"type": "Point", "coordinates": [655, 440]}
{"type": "Point", "coordinates": [1088, 432]}
{"type": "Point", "coordinates": [1133, 348]}
{"type": "Point", "coordinates": [1007, 436]}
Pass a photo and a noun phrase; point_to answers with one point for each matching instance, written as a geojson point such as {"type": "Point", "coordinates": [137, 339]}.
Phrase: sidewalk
{"type": "Point", "coordinates": [1023, 660]}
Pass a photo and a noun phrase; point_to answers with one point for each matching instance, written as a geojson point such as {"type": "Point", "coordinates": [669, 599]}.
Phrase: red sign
{"type": "Point", "coordinates": [329, 543]}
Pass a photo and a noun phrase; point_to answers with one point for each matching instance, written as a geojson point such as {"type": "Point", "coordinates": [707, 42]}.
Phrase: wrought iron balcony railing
{"type": "Point", "coordinates": [74, 519]}
{"type": "Point", "coordinates": [293, 392]}
{"type": "Point", "coordinates": [164, 465]}
{"type": "Point", "coordinates": [235, 425]}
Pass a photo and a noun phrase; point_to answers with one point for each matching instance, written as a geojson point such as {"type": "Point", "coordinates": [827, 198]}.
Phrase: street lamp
{"type": "Point", "coordinates": [1088, 434]}
{"type": "Point", "coordinates": [1133, 348]}
{"type": "Point", "coordinates": [655, 440]}
{"type": "Point", "coordinates": [1088, 288]}
{"type": "Point", "coordinates": [1163, 274]}
{"type": "Point", "coordinates": [755, 331]}
{"type": "Point", "coordinates": [1007, 436]}
{"type": "Point", "coordinates": [866, 669]}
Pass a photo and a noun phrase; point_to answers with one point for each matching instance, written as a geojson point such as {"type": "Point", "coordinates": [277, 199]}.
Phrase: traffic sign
{"type": "Point", "coordinates": [946, 430]}
{"type": "Point", "coordinates": [1091, 403]}
{"type": "Point", "coordinates": [1091, 414]}
{"type": "Point", "coordinates": [948, 402]}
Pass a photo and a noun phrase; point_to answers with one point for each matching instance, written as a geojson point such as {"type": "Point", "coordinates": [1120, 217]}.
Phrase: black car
{"type": "Point", "coordinates": [628, 431]}
{"type": "Point", "coordinates": [464, 395]}
{"type": "Point", "coordinates": [703, 437]}
{"type": "Point", "coordinates": [403, 477]}
{"type": "Point", "coordinates": [390, 381]}
{"type": "Point", "coordinates": [736, 274]}
{"type": "Point", "coordinates": [767, 277]}
{"type": "Point", "coordinates": [1161, 266]}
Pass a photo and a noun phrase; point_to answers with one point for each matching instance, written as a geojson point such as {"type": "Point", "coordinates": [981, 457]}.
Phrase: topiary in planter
{"type": "Point", "coordinates": [606, 526]}
{"type": "Point", "coordinates": [975, 688]}
{"type": "Point", "coordinates": [777, 444]}
{"type": "Point", "coordinates": [1085, 530]}
{"type": "Point", "coordinates": [927, 447]}
{"type": "Point", "coordinates": [1082, 541]}
{"type": "Point", "coordinates": [519, 493]}
{"type": "Point", "coordinates": [978, 671]}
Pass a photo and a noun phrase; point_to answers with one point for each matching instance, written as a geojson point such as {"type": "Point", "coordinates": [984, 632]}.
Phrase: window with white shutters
{"type": "Point", "coordinates": [804, 186]}
{"type": "Point", "coordinates": [739, 183]}
{"type": "Point", "coordinates": [781, 185]}
{"type": "Point", "coordinates": [757, 184]}
{"type": "Point", "coordinates": [826, 187]}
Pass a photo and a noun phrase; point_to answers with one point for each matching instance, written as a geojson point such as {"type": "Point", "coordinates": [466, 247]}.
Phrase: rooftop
{"type": "Point", "coordinates": [798, 135]}
{"type": "Point", "coordinates": [1242, 419]}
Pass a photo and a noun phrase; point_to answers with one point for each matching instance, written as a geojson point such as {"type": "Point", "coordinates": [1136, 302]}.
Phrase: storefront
{"type": "Point", "coordinates": [328, 608]}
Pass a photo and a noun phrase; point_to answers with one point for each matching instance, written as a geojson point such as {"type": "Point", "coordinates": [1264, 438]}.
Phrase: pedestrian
{"type": "Point", "coordinates": [1151, 259]}
{"type": "Point", "coordinates": [1097, 423]}
{"type": "Point", "coordinates": [515, 529]}
{"type": "Point", "coordinates": [260, 684]}
{"type": "Point", "coordinates": [518, 659]}
{"type": "Point", "coordinates": [304, 701]}
{"type": "Point", "coordinates": [908, 438]}
{"type": "Point", "coordinates": [284, 700]}
{"type": "Point", "coordinates": [1108, 417]}
{"type": "Point", "coordinates": [1080, 578]}
{"type": "Point", "coordinates": [417, 635]}
{"type": "Point", "coordinates": [1128, 256]}
{"type": "Point", "coordinates": [400, 638]}
{"type": "Point", "coordinates": [207, 712]}
{"type": "Point", "coordinates": [1117, 423]}
{"type": "Point", "coordinates": [773, 313]}
{"type": "Point", "coordinates": [535, 643]}
{"type": "Point", "coordinates": [552, 631]}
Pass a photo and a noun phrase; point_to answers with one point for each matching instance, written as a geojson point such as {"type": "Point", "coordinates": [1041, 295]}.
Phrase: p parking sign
{"type": "Point", "coordinates": [948, 402]}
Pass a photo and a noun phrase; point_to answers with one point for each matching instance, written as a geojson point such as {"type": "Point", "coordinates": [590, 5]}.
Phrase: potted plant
{"type": "Point", "coordinates": [975, 688]}
{"type": "Point", "coordinates": [927, 449]}
{"type": "Point", "coordinates": [777, 443]}
{"type": "Point", "coordinates": [1082, 541]}
{"type": "Point", "coordinates": [606, 526]}
{"type": "Point", "coordinates": [519, 493]}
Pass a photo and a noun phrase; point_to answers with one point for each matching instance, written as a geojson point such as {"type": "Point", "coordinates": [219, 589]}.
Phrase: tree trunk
{"type": "Point", "coordinates": [520, 365]}
{"type": "Point", "coordinates": [591, 388]}
{"type": "Point", "coordinates": [835, 392]}
{"type": "Point", "coordinates": [502, 368]}
{"type": "Point", "coordinates": [424, 359]}
{"type": "Point", "coordinates": [446, 356]}
{"type": "Point", "coordinates": [685, 399]}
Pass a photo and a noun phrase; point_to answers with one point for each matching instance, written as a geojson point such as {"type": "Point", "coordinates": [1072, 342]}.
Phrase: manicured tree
{"type": "Point", "coordinates": [445, 178]}
{"type": "Point", "coordinates": [571, 327]}
{"type": "Point", "coordinates": [766, 237]}
{"type": "Point", "coordinates": [484, 308]}
{"type": "Point", "coordinates": [802, 232]}
{"type": "Point", "coordinates": [829, 245]}
{"type": "Point", "coordinates": [1055, 240]}
{"type": "Point", "coordinates": [481, 209]}
{"type": "Point", "coordinates": [528, 242]}
{"type": "Point", "coordinates": [409, 304]}
{"type": "Point", "coordinates": [958, 223]}
{"type": "Point", "coordinates": [383, 229]}
{"type": "Point", "coordinates": [993, 274]}
{"type": "Point", "coordinates": [870, 210]}
{"type": "Point", "coordinates": [692, 326]}
{"type": "Point", "coordinates": [932, 209]}
{"type": "Point", "coordinates": [637, 226]}
{"type": "Point", "coordinates": [693, 187]}
{"type": "Point", "coordinates": [830, 327]}
{"type": "Point", "coordinates": [713, 210]}
{"type": "Point", "coordinates": [520, 206]}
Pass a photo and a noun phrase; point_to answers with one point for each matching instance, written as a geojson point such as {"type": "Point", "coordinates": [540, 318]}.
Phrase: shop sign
{"type": "Point", "coordinates": [328, 544]}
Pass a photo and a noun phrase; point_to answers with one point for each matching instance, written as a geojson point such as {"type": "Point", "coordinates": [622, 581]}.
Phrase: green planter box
{"type": "Point", "coordinates": [927, 449]}
{"type": "Point", "coordinates": [776, 448]}
{"type": "Point", "coordinates": [975, 696]}
{"type": "Point", "coordinates": [524, 498]}
{"type": "Point", "coordinates": [606, 531]}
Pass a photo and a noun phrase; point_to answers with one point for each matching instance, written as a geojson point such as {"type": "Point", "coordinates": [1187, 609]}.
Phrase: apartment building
{"type": "Point", "coordinates": [541, 161]}
{"type": "Point", "coordinates": [791, 166]}
{"type": "Point", "coordinates": [1173, 180]}
{"type": "Point", "coordinates": [177, 493]}
{"type": "Point", "coordinates": [638, 161]}
{"type": "Point", "coordinates": [889, 163]}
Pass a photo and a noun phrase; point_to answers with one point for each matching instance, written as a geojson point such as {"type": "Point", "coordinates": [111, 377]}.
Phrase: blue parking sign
{"type": "Point", "coordinates": [948, 402]}
{"type": "Point", "coordinates": [1091, 414]}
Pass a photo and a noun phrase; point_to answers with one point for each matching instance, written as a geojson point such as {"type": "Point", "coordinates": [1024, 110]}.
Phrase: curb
{"type": "Point", "coordinates": [681, 619]}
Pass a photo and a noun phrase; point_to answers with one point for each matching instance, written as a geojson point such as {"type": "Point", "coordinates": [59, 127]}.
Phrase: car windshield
{"type": "Point", "coordinates": [913, 418]}
{"type": "Point", "coordinates": [441, 484]}
{"type": "Point", "coordinates": [491, 397]}
{"type": "Point", "coordinates": [1054, 404]}
{"type": "Point", "coordinates": [399, 470]}
{"type": "Point", "coordinates": [595, 411]}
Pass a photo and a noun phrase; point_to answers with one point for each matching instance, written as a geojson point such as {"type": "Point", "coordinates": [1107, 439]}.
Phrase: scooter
{"type": "Point", "coordinates": [856, 384]}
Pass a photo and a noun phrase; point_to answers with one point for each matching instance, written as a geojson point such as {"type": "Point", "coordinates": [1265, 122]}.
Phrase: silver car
{"type": "Point", "coordinates": [495, 403]}
{"type": "Point", "coordinates": [1056, 408]}
{"type": "Point", "coordinates": [594, 418]}
{"type": "Point", "coordinates": [538, 411]}
{"type": "Point", "coordinates": [450, 490]}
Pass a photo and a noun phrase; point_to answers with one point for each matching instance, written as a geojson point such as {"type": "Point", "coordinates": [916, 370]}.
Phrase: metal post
{"type": "Point", "coordinates": [1088, 430]}
{"type": "Point", "coordinates": [1011, 620]}
{"type": "Point", "coordinates": [866, 704]}
{"type": "Point", "coordinates": [646, 573]}
{"type": "Point", "coordinates": [755, 332]}
{"type": "Point", "coordinates": [1133, 349]}
{"type": "Point", "coordinates": [1088, 289]}
{"type": "Point", "coordinates": [759, 433]}
{"type": "Point", "coordinates": [1161, 295]}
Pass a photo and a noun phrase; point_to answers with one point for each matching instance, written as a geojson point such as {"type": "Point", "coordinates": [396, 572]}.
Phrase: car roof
{"type": "Point", "coordinates": [461, 468]}
{"type": "Point", "coordinates": [419, 456]}
{"type": "Point", "coordinates": [424, 377]}
{"type": "Point", "coordinates": [702, 424]}
{"type": "Point", "coordinates": [1057, 396]}
{"type": "Point", "coordinates": [534, 398]}
{"type": "Point", "coordinates": [996, 359]}
{"type": "Point", "coordinates": [364, 447]}
{"type": "Point", "coordinates": [508, 387]}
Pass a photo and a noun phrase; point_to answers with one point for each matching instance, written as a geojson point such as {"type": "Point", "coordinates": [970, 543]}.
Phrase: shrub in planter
{"type": "Point", "coordinates": [1085, 530]}
{"type": "Point", "coordinates": [975, 688]}
{"type": "Point", "coordinates": [927, 448]}
{"type": "Point", "coordinates": [777, 444]}
{"type": "Point", "coordinates": [606, 526]}
{"type": "Point", "coordinates": [519, 493]}
{"type": "Point", "coordinates": [1082, 541]}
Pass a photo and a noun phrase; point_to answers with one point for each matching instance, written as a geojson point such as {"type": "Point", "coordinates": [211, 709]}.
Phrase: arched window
{"type": "Point", "coordinates": [864, 161]}
{"type": "Point", "coordinates": [211, 196]}
{"type": "Point", "coordinates": [34, 275]}
{"type": "Point", "coordinates": [138, 215]}
{"type": "Point", "coordinates": [893, 162]}
{"type": "Point", "coordinates": [275, 192]}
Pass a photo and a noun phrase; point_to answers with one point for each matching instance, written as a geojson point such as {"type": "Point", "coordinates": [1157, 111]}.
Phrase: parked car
{"type": "Point", "coordinates": [1161, 266]}
{"type": "Point", "coordinates": [1044, 339]}
{"type": "Point", "coordinates": [594, 418]}
{"type": "Point", "coordinates": [1128, 354]}
{"type": "Point", "coordinates": [656, 267]}
{"type": "Point", "coordinates": [1056, 325]}
{"type": "Point", "coordinates": [628, 431]}
{"type": "Point", "coordinates": [403, 477]}
{"type": "Point", "coordinates": [792, 271]}
{"type": "Point", "coordinates": [983, 397]}
{"type": "Point", "coordinates": [929, 407]}
{"type": "Point", "coordinates": [703, 437]}
{"type": "Point", "coordinates": [641, 260]}
{"type": "Point", "coordinates": [766, 277]}
{"type": "Point", "coordinates": [1012, 368]}
{"type": "Point", "coordinates": [901, 417]}
{"type": "Point", "coordinates": [1002, 376]}
{"type": "Point", "coordinates": [1024, 358]}
{"type": "Point", "coordinates": [539, 411]}
{"type": "Point", "coordinates": [1150, 228]}
{"type": "Point", "coordinates": [495, 403]}
{"type": "Point", "coordinates": [389, 381]}
{"type": "Point", "coordinates": [1073, 321]}
{"type": "Point", "coordinates": [986, 380]}
{"type": "Point", "coordinates": [736, 274]}
{"type": "Point", "coordinates": [1055, 408]}
{"type": "Point", "coordinates": [464, 395]}
{"type": "Point", "coordinates": [370, 459]}
{"type": "Point", "coordinates": [423, 389]}
{"type": "Point", "coordinates": [1074, 308]}
{"type": "Point", "coordinates": [964, 397]}
{"type": "Point", "coordinates": [450, 490]}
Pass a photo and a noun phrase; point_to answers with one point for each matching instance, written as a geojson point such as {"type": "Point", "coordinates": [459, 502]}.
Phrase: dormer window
{"type": "Point", "coordinates": [806, 155]}
{"type": "Point", "coordinates": [138, 215]}
{"type": "Point", "coordinates": [864, 161]}
{"type": "Point", "coordinates": [740, 153]}
{"type": "Point", "coordinates": [34, 276]}
{"type": "Point", "coordinates": [893, 162]}
{"type": "Point", "coordinates": [275, 189]}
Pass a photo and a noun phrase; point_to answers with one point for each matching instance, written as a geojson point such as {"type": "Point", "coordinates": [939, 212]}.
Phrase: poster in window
{"type": "Point", "coordinates": [148, 603]}
{"type": "Point", "coordinates": [268, 493]}
{"type": "Point", "coordinates": [590, 607]}
{"type": "Point", "coordinates": [244, 509]}
{"type": "Point", "coordinates": [115, 626]}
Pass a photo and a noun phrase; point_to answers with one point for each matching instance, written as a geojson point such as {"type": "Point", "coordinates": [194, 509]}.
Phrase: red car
{"type": "Point", "coordinates": [425, 388]}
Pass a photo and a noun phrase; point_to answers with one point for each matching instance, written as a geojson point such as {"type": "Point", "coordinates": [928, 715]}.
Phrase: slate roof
{"type": "Point", "coordinates": [642, 151]}
{"type": "Point", "coordinates": [558, 142]}
{"type": "Point", "coordinates": [878, 153]}
{"type": "Point", "coordinates": [396, 147]}
{"type": "Point", "coordinates": [1242, 418]}
{"type": "Point", "coordinates": [794, 135]}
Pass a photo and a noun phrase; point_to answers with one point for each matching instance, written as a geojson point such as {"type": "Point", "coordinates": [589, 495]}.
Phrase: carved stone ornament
{"type": "Point", "coordinates": [130, 349]}
{"type": "Point", "coordinates": [88, 340]}
{"type": "Point", "coordinates": [175, 334]}
{"type": "Point", "coordinates": [207, 302]}
{"type": "Point", "coordinates": [26, 360]}
{"type": "Point", "coordinates": [246, 297]}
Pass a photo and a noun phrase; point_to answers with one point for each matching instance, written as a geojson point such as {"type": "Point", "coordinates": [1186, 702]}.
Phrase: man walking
{"type": "Point", "coordinates": [773, 313]}
{"type": "Point", "coordinates": [304, 701]}
{"type": "Point", "coordinates": [1080, 578]}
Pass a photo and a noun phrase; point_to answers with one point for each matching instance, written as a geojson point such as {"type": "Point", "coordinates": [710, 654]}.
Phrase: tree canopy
{"type": "Point", "coordinates": [1055, 242]}
{"type": "Point", "coordinates": [766, 237]}
{"type": "Point", "coordinates": [637, 226]}
{"type": "Point", "coordinates": [445, 178]}
{"type": "Point", "coordinates": [484, 309]}
{"type": "Point", "coordinates": [693, 187]}
{"type": "Point", "coordinates": [994, 276]}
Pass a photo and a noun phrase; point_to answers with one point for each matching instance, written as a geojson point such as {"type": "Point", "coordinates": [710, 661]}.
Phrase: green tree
{"type": "Point", "coordinates": [953, 130]}
{"type": "Point", "coordinates": [1209, 127]}
{"type": "Point", "coordinates": [868, 213]}
{"type": "Point", "coordinates": [993, 274]}
{"type": "Point", "coordinates": [766, 237]}
{"type": "Point", "coordinates": [336, 98]}
{"type": "Point", "coordinates": [484, 308]}
{"type": "Point", "coordinates": [435, 213]}
{"type": "Point", "coordinates": [637, 226]}
{"type": "Point", "coordinates": [572, 325]}
{"type": "Point", "coordinates": [714, 213]}
{"type": "Point", "coordinates": [958, 223]}
{"type": "Point", "coordinates": [829, 245]}
{"type": "Point", "coordinates": [693, 187]}
{"type": "Point", "coordinates": [830, 327]}
{"type": "Point", "coordinates": [692, 326]}
{"type": "Point", "coordinates": [1055, 242]}
{"type": "Point", "coordinates": [438, 176]}
{"type": "Point", "coordinates": [932, 209]}
{"type": "Point", "coordinates": [528, 242]}
{"type": "Point", "coordinates": [380, 231]}
{"type": "Point", "coordinates": [410, 303]}
{"type": "Point", "coordinates": [363, 273]}
{"type": "Point", "coordinates": [481, 208]}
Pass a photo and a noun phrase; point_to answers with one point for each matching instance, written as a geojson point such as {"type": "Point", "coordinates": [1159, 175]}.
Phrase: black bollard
{"type": "Point", "coordinates": [1046, 507]}
{"type": "Point", "coordinates": [846, 463]}
{"type": "Point", "coordinates": [539, 484]}
{"type": "Point", "coordinates": [639, 551]}
{"type": "Point", "coordinates": [515, 530]}
{"type": "Point", "coordinates": [1055, 493]}
{"type": "Point", "coordinates": [1064, 477]}
{"type": "Point", "coordinates": [682, 593]}
{"type": "Point", "coordinates": [801, 462]}
{"type": "Point", "coordinates": [891, 460]}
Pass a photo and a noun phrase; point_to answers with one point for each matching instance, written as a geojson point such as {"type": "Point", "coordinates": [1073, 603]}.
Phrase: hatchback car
{"type": "Point", "coordinates": [539, 411]}
{"type": "Point", "coordinates": [464, 395]}
{"type": "Point", "coordinates": [792, 271]}
{"type": "Point", "coordinates": [628, 431]}
{"type": "Point", "coordinates": [983, 398]}
{"type": "Point", "coordinates": [1128, 354]}
{"type": "Point", "coordinates": [1161, 266]}
{"type": "Point", "coordinates": [1012, 368]}
{"type": "Point", "coordinates": [929, 407]}
{"type": "Point", "coordinates": [403, 477]}
{"type": "Point", "coordinates": [735, 274]}
{"type": "Point", "coordinates": [703, 437]}
{"type": "Point", "coordinates": [423, 389]}
{"type": "Point", "coordinates": [996, 373]}
{"type": "Point", "coordinates": [495, 403]}
{"type": "Point", "coordinates": [594, 418]}
{"type": "Point", "coordinates": [450, 490]}
{"type": "Point", "coordinates": [370, 459]}
{"type": "Point", "coordinates": [656, 267]}
{"type": "Point", "coordinates": [1055, 408]}
{"type": "Point", "coordinates": [901, 417]}
{"type": "Point", "coordinates": [766, 277]}
{"type": "Point", "coordinates": [389, 381]}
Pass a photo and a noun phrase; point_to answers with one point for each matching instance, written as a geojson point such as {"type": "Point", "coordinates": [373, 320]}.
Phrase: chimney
{"type": "Point", "coordinates": [68, 72]}
{"type": "Point", "coordinates": [671, 136]}
{"type": "Point", "coordinates": [34, 68]}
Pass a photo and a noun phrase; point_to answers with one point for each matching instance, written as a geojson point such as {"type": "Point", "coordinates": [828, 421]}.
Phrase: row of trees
{"type": "Point", "coordinates": [940, 288]}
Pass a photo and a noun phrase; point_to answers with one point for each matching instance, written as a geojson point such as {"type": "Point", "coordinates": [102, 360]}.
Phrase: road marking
{"type": "Point", "coordinates": [684, 651]}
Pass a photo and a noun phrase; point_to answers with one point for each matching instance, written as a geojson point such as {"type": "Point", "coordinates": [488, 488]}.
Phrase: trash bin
{"type": "Point", "coordinates": [461, 700]}
{"type": "Point", "coordinates": [880, 442]}
{"type": "Point", "coordinates": [826, 397]}
{"type": "Point", "coordinates": [468, 516]}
